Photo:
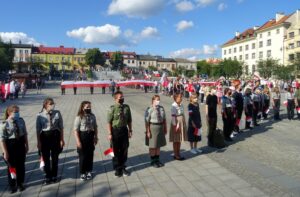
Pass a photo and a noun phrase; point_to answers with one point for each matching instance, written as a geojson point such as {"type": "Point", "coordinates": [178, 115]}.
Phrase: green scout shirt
{"type": "Point", "coordinates": [115, 115]}
{"type": "Point", "coordinates": [86, 123]}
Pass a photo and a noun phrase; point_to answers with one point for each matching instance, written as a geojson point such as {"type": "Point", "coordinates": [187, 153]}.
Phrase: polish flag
{"type": "Point", "coordinates": [248, 118]}
{"type": "Point", "coordinates": [109, 152]}
{"type": "Point", "coordinates": [298, 110]}
{"type": "Point", "coordinates": [197, 131]}
{"type": "Point", "coordinates": [42, 163]}
{"type": "Point", "coordinates": [285, 103]}
{"type": "Point", "coordinates": [13, 172]}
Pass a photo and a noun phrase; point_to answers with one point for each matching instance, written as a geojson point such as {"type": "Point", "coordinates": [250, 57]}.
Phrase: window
{"type": "Point", "coordinates": [133, 61]}
{"type": "Point", "coordinates": [224, 52]}
{"type": "Point", "coordinates": [234, 58]}
{"type": "Point", "coordinates": [247, 57]}
{"type": "Point", "coordinates": [277, 31]}
{"type": "Point", "coordinates": [128, 61]}
{"type": "Point", "coordinates": [260, 35]}
{"type": "Point", "coordinates": [260, 44]}
{"type": "Point", "coordinates": [268, 53]}
{"type": "Point", "coordinates": [26, 51]}
{"type": "Point", "coordinates": [269, 42]}
{"type": "Point", "coordinates": [144, 63]}
{"type": "Point", "coordinates": [253, 55]}
{"type": "Point", "coordinates": [291, 46]}
{"type": "Point", "coordinates": [50, 58]}
{"type": "Point", "coordinates": [299, 31]}
{"type": "Point", "coordinates": [21, 51]}
{"type": "Point", "coordinates": [229, 51]}
{"type": "Point", "coordinates": [298, 43]}
{"type": "Point", "coordinates": [69, 59]}
{"type": "Point", "coordinates": [261, 55]}
{"type": "Point", "coordinates": [241, 57]}
{"type": "Point", "coordinates": [269, 33]}
{"type": "Point", "coordinates": [247, 47]}
{"type": "Point", "coordinates": [253, 45]}
{"type": "Point", "coordinates": [246, 69]}
{"type": "Point", "coordinates": [57, 58]}
{"type": "Point", "coordinates": [291, 57]}
{"type": "Point", "coordinates": [234, 50]}
{"type": "Point", "coordinates": [253, 68]}
{"type": "Point", "coordinates": [298, 55]}
{"type": "Point", "coordinates": [241, 48]}
{"type": "Point", "coordinates": [291, 35]}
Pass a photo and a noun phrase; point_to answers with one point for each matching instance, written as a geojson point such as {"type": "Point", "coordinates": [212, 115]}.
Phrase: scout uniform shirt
{"type": "Point", "coordinates": [12, 129]}
{"type": "Point", "coordinates": [85, 124]}
{"type": "Point", "coordinates": [227, 105]}
{"type": "Point", "coordinates": [119, 115]}
{"type": "Point", "coordinates": [176, 110]}
{"type": "Point", "coordinates": [47, 122]}
{"type": "Point", "coordinates": [155, 115]}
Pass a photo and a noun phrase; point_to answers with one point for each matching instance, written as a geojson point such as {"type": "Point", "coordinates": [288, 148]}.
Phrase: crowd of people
{"type": "Point", "coordinates": [254, 99]}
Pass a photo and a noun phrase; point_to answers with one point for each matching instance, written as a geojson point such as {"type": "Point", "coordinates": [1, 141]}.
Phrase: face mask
{"type": "Point", "coordinates": [16, 115]}
{"type": "Point", "coordinates": [87, 111]}
{"type": "Point", "coordinates": [51, 107]}
{"type": "Point", "coordinates": [121, 100]}
{"type": "Point", "coordinates": [156, 103]}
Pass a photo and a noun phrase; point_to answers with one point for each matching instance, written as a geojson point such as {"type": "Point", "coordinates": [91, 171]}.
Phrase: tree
{"type": "Point", "coordinates": [296, 65]}
{"type": "Point", "coordinates": [204, 67]}
{"type": "Point", "coordinates": [94, 57]}
{"type": "Point", "coordinates": [230, 68]}
{"type": "Point", "coordinates": [266, 68]}
{"type": "Point", "coordinates": [284, 72]}
{"type": "Point", "coordinates": [6, 56]}
{"type": "Point", "coordinates": [117, 61]}
{"type": "Point", "coordinates": [152, 68]}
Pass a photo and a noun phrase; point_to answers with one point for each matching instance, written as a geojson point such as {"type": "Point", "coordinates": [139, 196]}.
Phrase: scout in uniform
{"type": "Point", "coordinates": [239, 105]}
{"type": "Point", "coordinates": [248, 108]}
{"type": "Point", "coordinates": [276, 103]}
{"type": "Point", "coordinates": [119, 131]}
{"type": "Point", "coordinates": [266, 100]}
{"type": "Point", "coordinates": [156, 129]}
{"type": "Point", "coordinates": [256, 105]}
{"type": "Point", "coordinates": [50, 138]}
{"type": "Point", "coordinates": [290, 96]}
{"type": "Point", "coordinates": [14, 144]}
{"type": "Point", "coordinates": [227, 114]}
{"type": "Point", "coordinates": [211, 115]}
{"type": "Point", "coordinates": [86, 135]}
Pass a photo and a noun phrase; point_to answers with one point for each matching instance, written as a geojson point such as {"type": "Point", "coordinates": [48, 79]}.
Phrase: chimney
{"type": "Point", "coordinates": [279, 16]}
{"type": "Point", "coordinates": [298, 17]}
{"type": "Point", "coordinates": [237, 34]}
{"type": "Point", "coordinates": [255, 28]}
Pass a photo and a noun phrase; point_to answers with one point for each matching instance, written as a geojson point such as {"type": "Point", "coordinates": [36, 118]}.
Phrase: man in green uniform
{"type": "Point", "coordinates": [119, 131]}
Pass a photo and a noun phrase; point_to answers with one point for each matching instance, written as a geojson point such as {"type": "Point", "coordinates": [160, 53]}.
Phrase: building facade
{"type": "Point", "coordinates": [144, 61]}
{"type": "Point", "coordinates": [166, 64]}
{"type": "Point", "coordinates": [22, 53]}
{"type": "Point", "coordinates": [187, 64]}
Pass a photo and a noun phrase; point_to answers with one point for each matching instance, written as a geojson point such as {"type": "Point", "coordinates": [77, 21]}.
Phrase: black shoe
{"type": "Point", "coordinates": [21, 187]}
{"type": "Point", "coordinates": [13, 190]}
{"type": "Point", "coordinates": [47, 181]}
{"type": "Point", "coordinates": [125, 172]}
{"type": "Point", "coordinates": [256, 124]}
{"type": "Point", "coordinates": [160, 164]}
{"type": "Point", "coordinates": [155, 165]}
{"type": "Point", "coordinates": [228, 139]}
{"type": "Point", "coordinates": [249, 128]}
{"type": "Point", "coordinates": [54, 179]}
{"type": "Point", "coordinates": [179, 158]}
{"type": "Point", "coordinates": [118, 173]}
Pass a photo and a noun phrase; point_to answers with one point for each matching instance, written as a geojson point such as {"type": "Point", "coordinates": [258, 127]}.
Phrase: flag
{"type": "Point", "coordinates": [109, 152]}
{"type": "Point", "coordinates": [298, 110]}
{"type": "Point", "coordinates": [285, 103]}
{"type": "Point", "coordinates": [248, 118]}
{"type": "Point", "coordinates": [42, 163]}
{"type": "Point", "coordinates": [13, 172]}
{"type": "Point", "coordinates": [197, 131]}
{"type": "Point", "coordinates": [267, 111]}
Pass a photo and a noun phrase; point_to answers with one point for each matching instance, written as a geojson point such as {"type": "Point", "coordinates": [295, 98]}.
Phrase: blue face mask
{"type": "Point", "coordinates": [16, 115]}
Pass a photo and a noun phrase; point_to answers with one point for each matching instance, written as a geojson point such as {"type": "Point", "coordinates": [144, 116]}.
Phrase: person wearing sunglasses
{"type": "Point", "coordinates": [50, 138]}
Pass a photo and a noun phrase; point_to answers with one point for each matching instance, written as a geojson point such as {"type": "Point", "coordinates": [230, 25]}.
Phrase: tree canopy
{"type": "Point", "coordinates": [6, 56]}
{"type": "Point", "coordinates": [117, 61]}
{"type": "Point", "coordinates": [94, 57]}
{"type": "Point", "coordinates": [267, 68]}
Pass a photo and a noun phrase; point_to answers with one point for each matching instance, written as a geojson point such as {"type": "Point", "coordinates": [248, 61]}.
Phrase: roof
{"type": "Point", "coordinates": [273, 22]}
{"type": "Point", "coordinates": [166, 60]}
{"type": "Point", "coordinates": [22, 45]}
{"type": "Point", "coordinates": [81, 51]}
{"type": "Point", "coordinates": [246, 34]}
{"type": "Point", "coordinates": [182, 60]}
{"type": "Point", "coordinates": [146, 57]}
{"type": "Point", "coordinates": [123, 53]}
{"type": "Point", "coordinates": [54, 50]}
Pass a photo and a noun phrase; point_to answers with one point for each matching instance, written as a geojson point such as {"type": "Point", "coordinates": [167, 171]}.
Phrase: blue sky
{"type": "Point", "coordinates": [173, 28]}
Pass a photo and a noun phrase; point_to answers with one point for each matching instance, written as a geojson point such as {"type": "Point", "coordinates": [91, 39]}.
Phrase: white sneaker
{"type": "Point", "coordinates": [193, 151]}
{"type": "Point", "coordinates": [89, 176]}
{"type": "Point", "coordinates": [198, 150]}
{"type": "Point", "coordinates": [232, 135]}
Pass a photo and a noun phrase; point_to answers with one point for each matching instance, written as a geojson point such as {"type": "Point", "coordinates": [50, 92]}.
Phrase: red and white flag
{"type": "Point", "coordinates": [248, 118]}
{"type": "Point", "coordinates": [285, 103]}
{"type": "Point", "coordinates": [197, 131]}
{"type": "Point", "coordinates": [298, 110]}
{"type": "Point", "coordinates": [42, 163]}
{"type": "Point", "coordinates": [13, 172]}
{"type": "Point", "coordinates": [109, 152]}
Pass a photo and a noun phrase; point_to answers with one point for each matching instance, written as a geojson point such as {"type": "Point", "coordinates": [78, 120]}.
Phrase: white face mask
{"type": "Point", "coordinates": [156, 103]}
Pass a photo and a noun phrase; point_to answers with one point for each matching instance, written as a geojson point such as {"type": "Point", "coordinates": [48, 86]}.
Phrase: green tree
{"type": "Point", "coordinates": [284, 72]}
{"type": "Point", "coordinates": [296, 65]}
{"type": "Point", "coordinates": [230, 68]}
{"type": "Point", "coordinates": [152, 68]}
{"type": "Point", "coordinates": [204, 67]}
{"type": "Point", "coordinates": [6, 56]}
{"type": "Point", "coordinates": [117, 61]}
{"type": "Point", "coordinates": [94, 57]}
{"type": "Point", "coordinates": [266, 68]}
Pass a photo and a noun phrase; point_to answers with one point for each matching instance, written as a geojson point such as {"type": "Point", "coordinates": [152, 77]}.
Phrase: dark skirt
{"type": "Point", "coordinates": [191, 136]}
{"type": "Point", "coordinates": [158, 138]}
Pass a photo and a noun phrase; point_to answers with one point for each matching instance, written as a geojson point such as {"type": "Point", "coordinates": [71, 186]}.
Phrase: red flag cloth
{"type": "Point", "coordinates": [109, 152]}
{"type": "Point", "coordinates": [13, 172]}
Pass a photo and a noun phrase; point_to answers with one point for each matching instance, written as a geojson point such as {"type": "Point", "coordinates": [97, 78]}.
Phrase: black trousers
{"type": "Point", "coordinates": [86, 153]}
{"type": "Point", "coordinates": [103, 90]}
{"type": "Point", "coordinates": [92, 90]}
{"type": "Point", "coordinates": [17, 156]}
{"type": "Point", "coordinates": [120, 143]}
{"type": "Point", "coordinates": [75, 90]}
{"type": "Point", "coordinates": [228, 124]}
{"type": "Point", "coordinates": [212, 126]}
{"type": "Point", "coordinates": [298, 106]}
{"type": "Point", "coordinates": [266, 107]}
{"type": "Point", "coordinates": [202, 97]}
{"type": "Point", "coordinates": [276, 109]}
{"type": "Point", "coordinates": [50, 147]}
{"type": "Point", "coordinates": [248, 115]}
{"type": "Point", "coordinates": [256, 109]}
{"type": "Point", "coordinates": [290, 109]}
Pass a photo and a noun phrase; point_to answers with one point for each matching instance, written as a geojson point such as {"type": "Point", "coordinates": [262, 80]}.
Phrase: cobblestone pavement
{"type": "Point", "coordinates": [261, 162]}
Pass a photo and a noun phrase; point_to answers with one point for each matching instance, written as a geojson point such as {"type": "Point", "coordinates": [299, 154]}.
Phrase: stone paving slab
{"type": "Point", "coordinates": [201, 175]}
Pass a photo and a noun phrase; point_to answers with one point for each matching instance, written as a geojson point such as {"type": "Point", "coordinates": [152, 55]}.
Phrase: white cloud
{"type": "Point", "coordinates": [185, 6]}
{"type": "Point", "coordinates": [16, 37]}
{"type": "Point", "coordinates": [209, 49]}
{"type": "Point", "coordinates": [240, 1]}
{"type": "Point", "coordinates": [183, 25]}
{"type": "Point", "coordinates": [106, 34]}
{"type": "Point", "coordinates": [204, 3]}
{"type": "Point", "coordinates": [149, 32]}
{"type": "Point", "coordinates": [193, 54]}
{"type": "Point", "coordinates": [136, 8]}
{"type": "Point", "coordinates": [222, 6]}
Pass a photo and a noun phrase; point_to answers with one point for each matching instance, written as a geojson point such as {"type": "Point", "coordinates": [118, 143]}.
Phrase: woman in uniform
{"type": "Point", "coordinates": [178, 131]}
{"type": "Point", "coordinates": [14, 145]}
{"type": "Point", "coordinates": [248, 108]}
{"type": "Point", "coordinates": [156, 129]}
{"type": "Point", "coordinates": [50, 138]}
{"type": "Point", "coordinates": [86, 135]}
{"type": "Point", "coordinates": [227, 114]}
{"type": "Point", "coordinates": [290, 96]}
{"type": "Point", "coordinates": [276, 103]}
{"type": "Point", "coordinates": [266, 100]}
{"type": "Point", "coordinates": [194, 124]}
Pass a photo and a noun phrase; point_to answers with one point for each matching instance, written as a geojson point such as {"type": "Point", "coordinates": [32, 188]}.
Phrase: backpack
{"type": "Point", "coordinates": [218, 139]}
